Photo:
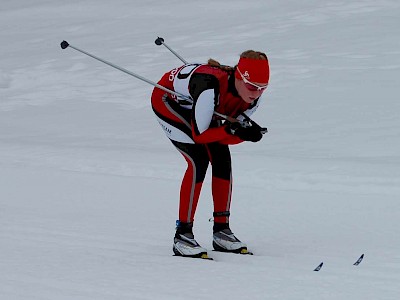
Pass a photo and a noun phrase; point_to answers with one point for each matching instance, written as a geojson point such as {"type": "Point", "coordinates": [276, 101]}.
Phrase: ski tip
{"type": "Point", "coordinates": [319, 267]}
{"type": "Point", "coordinates": [359, 260]}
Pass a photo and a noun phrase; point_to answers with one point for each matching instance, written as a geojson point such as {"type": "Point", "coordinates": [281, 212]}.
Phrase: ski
{"type": "Point", "coordinates": [359, 260]}
{"type": "Point", "coordinates": [319, 267]}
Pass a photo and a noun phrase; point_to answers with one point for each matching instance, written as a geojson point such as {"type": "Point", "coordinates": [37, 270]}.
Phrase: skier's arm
{"type": "Point", "coordinates": [203, 112]}
{"type": "Point", "coordinates": [204, 90]}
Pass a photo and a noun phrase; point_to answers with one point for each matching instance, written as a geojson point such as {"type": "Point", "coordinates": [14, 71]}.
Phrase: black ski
{"type": "Point", "coordinates": [359, 260]}
{"type": "Point", "coordinates": [319, 267]}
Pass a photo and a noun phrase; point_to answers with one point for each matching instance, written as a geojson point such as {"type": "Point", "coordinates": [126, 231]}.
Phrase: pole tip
{"type": "Point", "coordinates": [159, 41]}
{"type": "Point", "coordinates": [64, 44]}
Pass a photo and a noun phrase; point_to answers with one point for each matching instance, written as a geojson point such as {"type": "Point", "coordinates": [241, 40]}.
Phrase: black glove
{"type": "Point", "coordinates": [251, 133]}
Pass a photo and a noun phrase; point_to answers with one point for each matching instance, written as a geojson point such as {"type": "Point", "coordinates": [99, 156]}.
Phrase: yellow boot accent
{"type": "Point", "coordinates": [205, 256]}
{"type": "Point", "coordinates": [245, 251]}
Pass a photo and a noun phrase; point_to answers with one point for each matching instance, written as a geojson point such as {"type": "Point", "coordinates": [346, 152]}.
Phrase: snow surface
{"type": "Point", "coordinates": [89, 183]}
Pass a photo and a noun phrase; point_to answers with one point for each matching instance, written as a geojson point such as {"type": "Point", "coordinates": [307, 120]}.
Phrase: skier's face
{"type": "Point", "coordinates": [249, 91]}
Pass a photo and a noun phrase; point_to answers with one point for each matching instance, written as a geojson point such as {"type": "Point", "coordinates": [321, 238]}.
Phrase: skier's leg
{"type": "Point", "coordinates": [197, 163]}
{"type": "Point", "coordinates": [197, 160]}
{"type": "Point", "coordinates": [220, 158]}
{"type": "Point", "coordinates": [223, 237]}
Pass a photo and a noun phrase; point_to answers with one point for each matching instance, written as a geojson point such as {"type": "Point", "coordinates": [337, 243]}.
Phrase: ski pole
{"type": "Point", "coordinates": [160, 41]}
{"type": "Point", "coordinates": [65, 44]}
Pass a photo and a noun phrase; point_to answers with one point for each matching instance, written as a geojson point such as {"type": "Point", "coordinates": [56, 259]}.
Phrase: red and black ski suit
{"type": "Point", "coordinates": [198, 134]}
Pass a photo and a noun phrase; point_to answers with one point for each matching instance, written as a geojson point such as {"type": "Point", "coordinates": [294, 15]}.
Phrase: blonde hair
{"type": "Point", "coordinates": [213, 63]}
{"type": "Point", "coordinates": [254, 55]}
{"type": "Point", "coordinates": [246, 54]}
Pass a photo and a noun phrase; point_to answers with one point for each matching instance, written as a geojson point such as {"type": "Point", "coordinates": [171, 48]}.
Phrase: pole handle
{"type": "Point", "coordinates": [160, 41]}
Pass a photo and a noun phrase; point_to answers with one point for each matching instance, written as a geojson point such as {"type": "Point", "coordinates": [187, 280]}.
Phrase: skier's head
{"type": "Point", "coordinates": [251, 75]}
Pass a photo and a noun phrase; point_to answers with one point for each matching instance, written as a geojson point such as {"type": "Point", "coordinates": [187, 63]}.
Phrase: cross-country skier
{"type": "Point", "coordinates": [202, 137]}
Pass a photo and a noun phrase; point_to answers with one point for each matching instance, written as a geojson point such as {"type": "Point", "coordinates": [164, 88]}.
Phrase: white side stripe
{"type": "Point", "coordinates": [174, 133]}
{"type": "Point", "coordinates": [204, 110]}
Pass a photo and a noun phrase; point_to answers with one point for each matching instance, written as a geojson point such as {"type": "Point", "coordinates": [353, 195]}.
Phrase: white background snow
{"type": "Point", "coordinates": [89, 184]}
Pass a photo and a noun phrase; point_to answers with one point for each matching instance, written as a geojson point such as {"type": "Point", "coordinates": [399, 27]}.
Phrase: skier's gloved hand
{"type": "Point", "coordinates": [252, 133]}
{"type": "Point", "coordinates": [231, 128]}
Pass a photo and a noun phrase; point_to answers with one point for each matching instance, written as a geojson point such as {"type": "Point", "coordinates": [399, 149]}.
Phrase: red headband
{"type": "Point", "coordinates": [254, 70]}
